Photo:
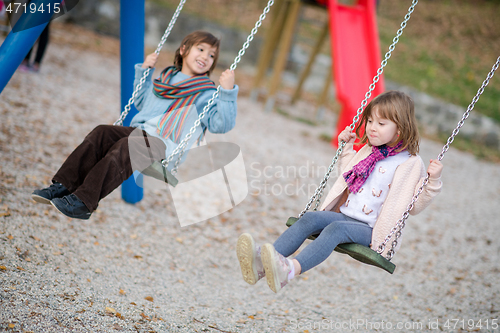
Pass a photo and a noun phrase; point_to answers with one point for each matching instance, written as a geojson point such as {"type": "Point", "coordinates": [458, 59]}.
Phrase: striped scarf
{"type": "Point", "coordinates": [183, 94]}
{"type": "Point", "coordinates": [356, 177]}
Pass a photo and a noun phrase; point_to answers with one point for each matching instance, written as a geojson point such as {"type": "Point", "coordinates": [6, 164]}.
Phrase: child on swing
{"type": "Point", "coordinates": [103, 160]}
{"type": "Point", "coordinates": [366, 201]}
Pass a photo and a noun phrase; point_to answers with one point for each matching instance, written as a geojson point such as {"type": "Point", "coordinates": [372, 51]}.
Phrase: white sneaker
{"type": "Point", "coordinates": [249, 257]}
{"type": "Point", "coordinates": [276, 267]}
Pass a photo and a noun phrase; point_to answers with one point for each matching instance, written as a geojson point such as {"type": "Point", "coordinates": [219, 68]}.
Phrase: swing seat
{"type": "Point", "coordinates": [156, 170]}
{"type": "Point", "coordinates": [357, 251]}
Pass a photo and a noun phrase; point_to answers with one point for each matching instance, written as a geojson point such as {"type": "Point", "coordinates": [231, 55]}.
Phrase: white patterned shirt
{"type": "Point", "coordinates": [366, 204]}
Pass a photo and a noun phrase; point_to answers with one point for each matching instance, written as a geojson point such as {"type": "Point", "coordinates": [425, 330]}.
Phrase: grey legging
{"type": "Point", "coordinates": [333, 229]}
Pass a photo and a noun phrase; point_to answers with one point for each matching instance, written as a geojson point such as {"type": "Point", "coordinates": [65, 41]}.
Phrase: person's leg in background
{"type": "Point", "coordinates": [43, 41]}
{"type": "Point", "coordinates": [25, 65]}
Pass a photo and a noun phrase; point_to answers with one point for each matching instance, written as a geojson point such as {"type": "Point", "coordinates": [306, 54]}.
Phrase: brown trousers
{"type": "Point", "coordinates": [102, 161]}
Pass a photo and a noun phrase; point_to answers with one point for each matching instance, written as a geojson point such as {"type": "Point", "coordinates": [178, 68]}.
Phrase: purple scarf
{"type": "Point", "coordinates": [356, 177]}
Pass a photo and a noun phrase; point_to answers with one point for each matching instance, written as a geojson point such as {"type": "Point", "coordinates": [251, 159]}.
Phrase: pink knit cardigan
{"type": "Point", "coordinates": [407, 180]}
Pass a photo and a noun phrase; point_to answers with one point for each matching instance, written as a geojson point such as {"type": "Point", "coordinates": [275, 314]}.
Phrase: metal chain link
{"type": "Point", "coordinates": [469, 109]}
{"type": "Point", "coordinates": [398, 228]}
{"type": "Point", "coordinates": [183, 144]}
{"type": "Point", "coordinates": [319, 191]}
{"type": "Point", "coordinates": [146, 72]}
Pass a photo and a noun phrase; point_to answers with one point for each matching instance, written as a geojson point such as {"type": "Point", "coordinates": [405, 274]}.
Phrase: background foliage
{"type": "Point", "coordinates": [446, 50]}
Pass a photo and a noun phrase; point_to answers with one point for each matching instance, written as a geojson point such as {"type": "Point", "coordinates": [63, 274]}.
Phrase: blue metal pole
{"type": "Point", "coordinates": [132, 27]}
{"type": "Point", "coordinates": [17, 44]}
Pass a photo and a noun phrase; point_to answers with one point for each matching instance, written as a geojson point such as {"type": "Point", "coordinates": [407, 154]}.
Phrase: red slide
{"type": "Point", "coordinates": [356, 56]}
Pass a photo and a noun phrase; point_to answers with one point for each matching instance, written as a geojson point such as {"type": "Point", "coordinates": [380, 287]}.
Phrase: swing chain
{"type": "Point", "coordinates": [146, 72]}
{"type": "Point", "coordinates": [398, 228]}
{"type": "Point", "coordinates": [376, 78]}
{"type": "Point", "coordinates": [469, 109]}
{"type": "Point", "coordinates": [319, 191]}
{"type": "Point", "coordinates": [180, 149]}
{"type": "Point", "coordinates": [252, 34]}
{"type": "Point", "coordinates": [182, 146]}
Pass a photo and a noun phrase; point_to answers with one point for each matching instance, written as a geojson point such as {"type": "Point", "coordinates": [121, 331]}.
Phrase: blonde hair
{"type": "Point", "coordinates": [193, 39]}
{"type": "Point", "coordinates": [399, 108]}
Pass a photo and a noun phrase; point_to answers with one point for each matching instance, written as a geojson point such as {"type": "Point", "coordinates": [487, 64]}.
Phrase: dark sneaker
{"type": "Point", "coordinates": [72, 207]}
{"type": "Point", "coordinates": [45, 195]}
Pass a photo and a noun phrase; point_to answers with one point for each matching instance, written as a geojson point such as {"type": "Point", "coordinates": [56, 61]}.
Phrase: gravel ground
{"type": "Point", "coordinates": [133, 268]}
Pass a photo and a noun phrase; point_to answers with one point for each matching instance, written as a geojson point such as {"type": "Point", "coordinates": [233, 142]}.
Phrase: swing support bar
{"type": "Point", "coordinates": [131, 53]}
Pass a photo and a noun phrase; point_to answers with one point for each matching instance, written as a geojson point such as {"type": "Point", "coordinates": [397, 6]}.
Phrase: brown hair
{"type": "Point", "coordinates": [193, 39]}
{"type": "Point", "coordinates": [399, 108]}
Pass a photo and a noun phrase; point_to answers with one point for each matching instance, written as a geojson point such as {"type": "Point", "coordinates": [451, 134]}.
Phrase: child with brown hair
{"type": "Point", "coordinates": [167, 108]}
{"type": "Point", "coordinates": [366, 201]}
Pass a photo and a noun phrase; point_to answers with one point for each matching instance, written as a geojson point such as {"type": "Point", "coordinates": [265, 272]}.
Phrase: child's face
{"type": "Point", "coordinates": [381, 131]}
{"type": "Point", "coordinates": [199, 59]}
